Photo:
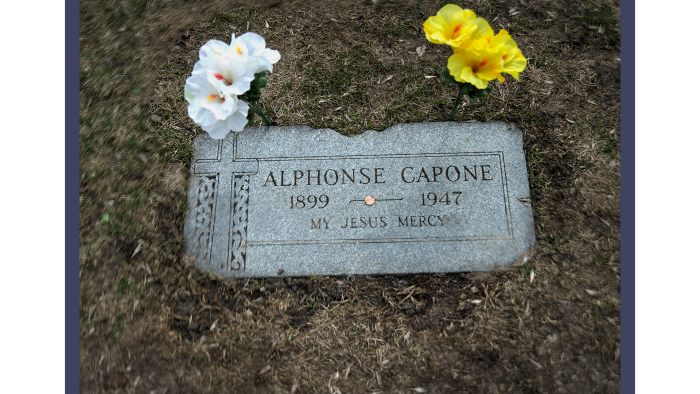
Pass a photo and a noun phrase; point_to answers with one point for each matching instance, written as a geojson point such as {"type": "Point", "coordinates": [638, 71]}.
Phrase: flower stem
{"type": "Point", "coordinates": [459, 98]}
{"type": "Point", "coordinates": [259, 111]}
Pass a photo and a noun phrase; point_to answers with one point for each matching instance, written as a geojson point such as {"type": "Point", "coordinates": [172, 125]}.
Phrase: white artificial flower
{"type": "Point", "coordinates": [211, 51]}
{"type": "Point", "coordinates": [253, 46]}
{"type": "Point", "coordinates": [215, 112]}
{"type": "Point", "coordinates": [213, 48]}
{"type": "Point", "coordinates": [224, 67]}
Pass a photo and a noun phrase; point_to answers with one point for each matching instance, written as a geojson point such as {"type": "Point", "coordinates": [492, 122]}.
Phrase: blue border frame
{"type": "Point", "coordinates": [627, 108]}
{"type": "Point", "coordinates": [72, 223]}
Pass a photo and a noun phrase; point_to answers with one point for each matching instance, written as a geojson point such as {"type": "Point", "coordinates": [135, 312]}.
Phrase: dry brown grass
{"type": "Point", "coordinates": [151, 323]}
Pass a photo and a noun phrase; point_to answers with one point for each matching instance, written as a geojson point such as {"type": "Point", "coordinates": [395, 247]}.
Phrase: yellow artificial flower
{"type": "Point", "coordinates": [479, 64]}
{"type": "Point", "coordinates": [513, 59]}
{"type": "Point", "coordinates": [456, 27]}
{"type": "Point", "coordinates": [475, 66]}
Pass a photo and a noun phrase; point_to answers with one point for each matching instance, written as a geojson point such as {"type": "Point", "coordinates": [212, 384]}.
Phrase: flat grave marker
{"type": "Point", "coordinates": [415, 198]}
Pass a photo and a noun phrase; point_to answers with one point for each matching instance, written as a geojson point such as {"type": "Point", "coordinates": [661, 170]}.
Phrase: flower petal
{"type": "Point", "coordinates": [202, 117]}
{"type": "Point", "coordinates": [201, 66]}
{"type": "Point", "coordinates": [196, 85]}
{"type": "Point", "coordinates": [213, 47]}
{"type": "Point", "coordinates": [436, 30]}
{"type": "Point", "coordinates": [215, 105]}
{"type": "Point", "coordinates": [238, 119]}
{"type": "Point", "coordinates": [452, 14]}
{"type": "Point", "coordinates": [241, 84]}
{"type": "Point", "coordinates": [455, 64]}
{"type": "Point", "coordinates": [482, 29]}
{"type": "Point", "coordinates": [272, 55]}
{"type": "Point", "coordinates": [502, 39]}
{"type": "Point", "coordinates": [218, 130]}
{"type": "Point", "coordinates": [242, 107]}
{"type": "Point", "coordinates": [516, 64]}
{"type": "Point", "coordinates": [469, 76]}
{"type": "Point", "coordinates": [254, 42]}
{"type": "Point", "coordinates": [255, 64]}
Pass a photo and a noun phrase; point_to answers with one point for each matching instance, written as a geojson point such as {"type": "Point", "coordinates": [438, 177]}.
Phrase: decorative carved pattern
{"type": "Point", "coordinates": [204, 212]}
{"type": "Point", "coordinates": [239, 222]}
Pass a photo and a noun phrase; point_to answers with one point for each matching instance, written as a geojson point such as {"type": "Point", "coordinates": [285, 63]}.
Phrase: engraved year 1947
{"type": "Point", "coordinates": [432, 198]}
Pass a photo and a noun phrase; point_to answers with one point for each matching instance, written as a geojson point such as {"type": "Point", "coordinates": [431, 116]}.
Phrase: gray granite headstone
{"type": "Point", "coordinates": [420, 197]}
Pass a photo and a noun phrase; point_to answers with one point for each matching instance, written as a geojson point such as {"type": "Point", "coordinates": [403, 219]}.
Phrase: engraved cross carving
{"type": "Point", "coordinates": [230, 210]}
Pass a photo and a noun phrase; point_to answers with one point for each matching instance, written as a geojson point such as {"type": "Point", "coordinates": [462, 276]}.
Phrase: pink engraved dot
{"type": "Point", "coordinates": [369, 200]}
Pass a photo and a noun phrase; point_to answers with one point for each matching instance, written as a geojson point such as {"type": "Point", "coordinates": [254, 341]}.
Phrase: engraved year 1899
{"type": "Point", "coordinates": [308, 201]}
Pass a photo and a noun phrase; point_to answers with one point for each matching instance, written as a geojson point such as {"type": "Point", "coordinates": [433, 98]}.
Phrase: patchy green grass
{"type": "Point", "coordinates": [126, 286]}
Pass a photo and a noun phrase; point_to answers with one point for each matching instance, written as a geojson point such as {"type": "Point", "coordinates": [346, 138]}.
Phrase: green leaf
{"type": "Point", "coordinates": [465, 88]}
{"type": "Point", "coordinates": [480, 93]}
{"type": "Point", "coordinates": [259, 83]}
{"type": "Point", "coordinates": [256, 87]}
{"type": "Point", "coordinates": [445, 74]}
{"type": "Point", "coordinates": [260, 80]}
{"type": "Point", "coordinates": [250, 117]}
{"type": "Point", "coordinates": [105, 217]}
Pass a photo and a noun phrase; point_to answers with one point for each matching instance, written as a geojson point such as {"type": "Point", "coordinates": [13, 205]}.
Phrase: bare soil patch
{"type": "Point", "coordinates": [152, 323]}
